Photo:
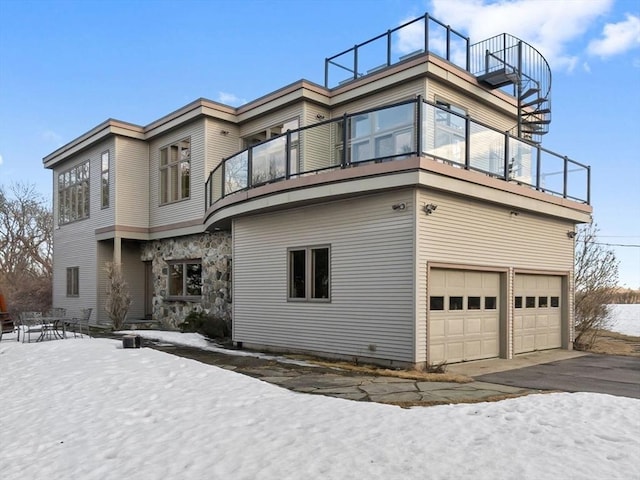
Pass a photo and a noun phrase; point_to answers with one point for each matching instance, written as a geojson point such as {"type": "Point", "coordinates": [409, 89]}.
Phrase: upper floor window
{"type": "Point", "coordinates": [73, 194]}
{"type": "Point", "coordinates": [104, 186]}
{"type": "Point", "coordinates": [175, 171]}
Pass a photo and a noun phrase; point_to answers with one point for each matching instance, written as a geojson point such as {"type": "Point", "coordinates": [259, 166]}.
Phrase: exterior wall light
{"type": "Point", "coordinates": [224, 132]}
{"type": "Point", "coordinates": [399, 206]}
{"type": "Point", "coordinates": [320, 116]}
{"type": "Point", "coordinates": [429, 208]}
{"type": "Point", "coordinates": [571, 234]}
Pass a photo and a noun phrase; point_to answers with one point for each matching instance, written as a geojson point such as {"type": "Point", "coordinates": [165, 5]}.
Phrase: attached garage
{"type": "Point", "coordinates": [464, 315]}
{"type": "Point", "coordinates": [537, 319]}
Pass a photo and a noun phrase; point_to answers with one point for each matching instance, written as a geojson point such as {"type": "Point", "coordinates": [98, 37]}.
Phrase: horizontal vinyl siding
{"type": "Point", "coordinates": [396, 94]}
{"type": "Point", "coordinates": [184, 210]}
{"type": "Point", "coordinates": [471, 232]}
{"type": "Point", "coordinates": [371, 278]}
{"type": "Point", "coordinates": [130, 179]}
{"type": "Point", "coordinates": [219, 145]}
{"type": "Point", "coordinates": [437, 91]}
{"type": "Point", "coordinates": [317, 146]}
{"type": "Point", "coordinates": [75, 247]}
{"type": "Point", "coordinates": [273, 118]}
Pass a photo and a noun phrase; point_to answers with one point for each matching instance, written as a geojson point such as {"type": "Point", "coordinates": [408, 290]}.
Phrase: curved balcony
{"type": "Point", "coordinates": [414, 128]}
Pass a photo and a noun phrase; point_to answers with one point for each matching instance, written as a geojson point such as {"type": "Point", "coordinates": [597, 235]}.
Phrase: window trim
{"type": "Point", "coordinates": [73, 280]}
{"type": "Point", "coordinates": [167, 168]}
{"type": "Point", "coordinates": [309, 274]}
{"type": "Point", "coordinates": [104, 171]}
{"type": "Point", "coordinates": [183, 262]}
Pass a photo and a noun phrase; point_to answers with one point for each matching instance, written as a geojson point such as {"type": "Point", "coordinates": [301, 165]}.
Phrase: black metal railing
{"type": "Point", "coordinates": [423, 34]}
{"type": "Point", "coordinates": [411, 128]}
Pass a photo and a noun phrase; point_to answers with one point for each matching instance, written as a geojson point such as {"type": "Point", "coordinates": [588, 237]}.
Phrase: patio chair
{"type": "Point", "coordinates": [80, 323]}
{"type": "Point", "coordinates": [7, 325]}
{"type": "Point", "coordinates": [30, 322]}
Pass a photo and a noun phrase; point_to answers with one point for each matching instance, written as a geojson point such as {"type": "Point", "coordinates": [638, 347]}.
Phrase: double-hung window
{"type": "Point", "coordinates": [175, 171]}
{"type": "Point", "coordinates": [185, 279]}
{"type": "Point", "coordinates": [309, 273]}
{"type": "Point", "coordinates": [73, 281]}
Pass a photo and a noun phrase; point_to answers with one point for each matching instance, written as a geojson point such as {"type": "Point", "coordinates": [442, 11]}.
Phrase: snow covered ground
{"type": "Point", "coordinates": [89, 409]}
{"type": "Point", "coordinates": [625, 319]}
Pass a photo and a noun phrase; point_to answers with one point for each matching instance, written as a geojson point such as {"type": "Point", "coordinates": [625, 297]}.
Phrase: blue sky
{"type": "Point", "coordinates": [66, 66]}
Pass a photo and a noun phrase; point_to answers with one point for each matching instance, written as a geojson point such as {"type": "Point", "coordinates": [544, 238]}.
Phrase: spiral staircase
{"type": "Point", "coordinates": [506, 62]}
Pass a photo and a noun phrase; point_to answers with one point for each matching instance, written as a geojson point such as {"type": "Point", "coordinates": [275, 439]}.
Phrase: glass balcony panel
{"type": "Point", "coordinates": [382, 134]}
{"type": "Point", "coordinates": [269, 161]}
{"type": "Point", "coordinates": [443, 135]}
{"type": "Point", "coordinates": [577, 182]}
{"type": "Point", "coordinates": [217, 181]}
{"type": "Point", "coordinates": [522, 162]}
{"type": "Point", "coordinates": [486, 150]}
{"type": "Point", "coordinates": [551, 173]}
{"type": "Point", "coordinates": [319, 144]}
{"type": "Point", "coordinates": [236, 169]}
{"type": "Point", "coordinates": [372, 56]}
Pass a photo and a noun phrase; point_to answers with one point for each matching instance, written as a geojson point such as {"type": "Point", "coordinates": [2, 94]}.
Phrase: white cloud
{"type": "Point", "coordinates": [548, 26]}
{"type": "Point", "coordinates": [1, 160]}
{"type": "Point", "coordinates": [617, 38]}
{"type": "Point", "coordinates": [586, 67]}
{"type": "Point", "coordinates": [230, 99]}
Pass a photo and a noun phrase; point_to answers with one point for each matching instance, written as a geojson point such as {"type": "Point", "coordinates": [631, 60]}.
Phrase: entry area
{"type": "Point", "coordinates": [537, 313]}
{"type": "Point", "coordinates": [463, 315]}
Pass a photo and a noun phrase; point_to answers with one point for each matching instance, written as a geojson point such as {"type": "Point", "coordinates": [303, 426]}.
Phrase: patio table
{"type": "Point", "coordinates": [51, 328]}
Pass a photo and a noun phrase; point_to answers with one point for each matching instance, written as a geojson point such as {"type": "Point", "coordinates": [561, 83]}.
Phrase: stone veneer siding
{"type": "Point", "coordinates": [214, 250]}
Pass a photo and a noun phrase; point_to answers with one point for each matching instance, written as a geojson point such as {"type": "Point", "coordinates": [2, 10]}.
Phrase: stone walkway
{"type": "Point", "coordinates": [347, 384]}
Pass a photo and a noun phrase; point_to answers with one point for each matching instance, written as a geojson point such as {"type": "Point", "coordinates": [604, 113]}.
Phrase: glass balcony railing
{"type": "Point", "coordinates": [402, 130]}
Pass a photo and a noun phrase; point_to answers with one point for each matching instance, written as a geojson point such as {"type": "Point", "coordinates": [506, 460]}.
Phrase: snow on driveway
{"type": "Point", "coordinates": [89, 409]}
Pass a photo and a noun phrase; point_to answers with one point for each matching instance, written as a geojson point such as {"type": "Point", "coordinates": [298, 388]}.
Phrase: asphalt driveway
{"type": "Point", "coordinates": [615, 375]}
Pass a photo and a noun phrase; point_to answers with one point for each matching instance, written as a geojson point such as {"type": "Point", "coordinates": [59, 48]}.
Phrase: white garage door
{"type": "Point", "coordinates": [537, 320]}
{"type": "Point", "coordinates": [464, 316]}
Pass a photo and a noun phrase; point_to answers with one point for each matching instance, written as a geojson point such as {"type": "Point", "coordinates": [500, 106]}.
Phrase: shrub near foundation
{"type": "Point", "coordinates": [211, 326]}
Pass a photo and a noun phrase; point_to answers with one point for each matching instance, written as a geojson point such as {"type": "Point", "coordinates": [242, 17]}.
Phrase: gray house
{"type": "Point", "coordinates": [402, 213]}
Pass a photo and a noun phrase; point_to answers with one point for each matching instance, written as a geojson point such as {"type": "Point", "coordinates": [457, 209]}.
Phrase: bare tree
{"type": "Point", "coordinates": [118, 298]}
{"type": "Point", "coordinates": [26, 247]}
{"type": "Point", "coordinates": [596, 277]}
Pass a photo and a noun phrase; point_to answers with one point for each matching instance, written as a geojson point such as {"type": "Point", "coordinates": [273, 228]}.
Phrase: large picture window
{"type": "Point", "coordinates": [73, 194]}
{"type": "Point", "coordinates": [309, 273]}
{"type": "Point", "coordinates": [104, 179]}
{"type": "Point", "coordinates": [73, 281]}
{"type": "Point", "coordinates": [185, 278]}
{"type": "Point", "coordinates": [175, 171]}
